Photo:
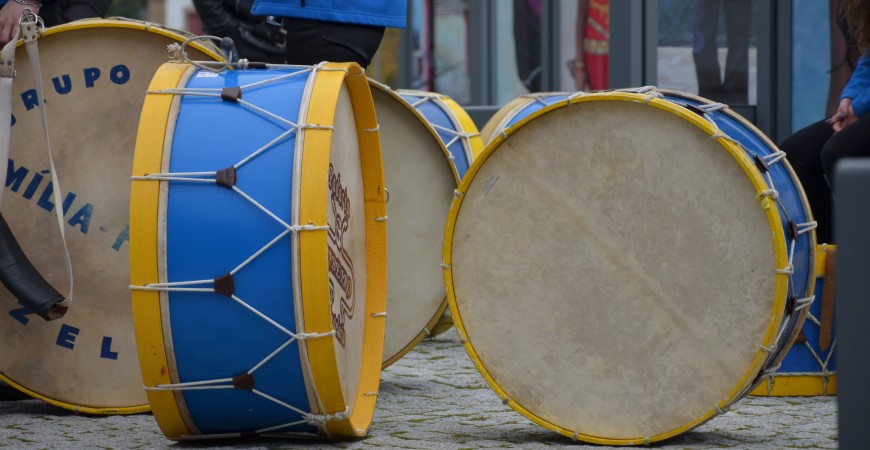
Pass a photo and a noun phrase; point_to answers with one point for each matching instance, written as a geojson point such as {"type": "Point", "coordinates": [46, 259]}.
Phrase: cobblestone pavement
{"type": "Point", "coordinates": [434, 398]}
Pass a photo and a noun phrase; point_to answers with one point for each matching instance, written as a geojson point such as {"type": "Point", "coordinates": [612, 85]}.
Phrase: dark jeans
{"type": "Point", "coordinates": [735, 87]}
{"type": "Point", "coordinates": [813, 153]}
{"type": "Point", "coordinates": [310, 42]}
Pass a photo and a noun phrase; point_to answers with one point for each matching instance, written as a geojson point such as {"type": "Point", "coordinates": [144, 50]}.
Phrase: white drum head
{"type": "Point", "coordinates": [347, 247]}
{"type": "Point", "coordinates": [421, 184]}
{"type": "Point", "coordinates": [95, 74]}
{"type": "Point", "coordinates": [614, 271]}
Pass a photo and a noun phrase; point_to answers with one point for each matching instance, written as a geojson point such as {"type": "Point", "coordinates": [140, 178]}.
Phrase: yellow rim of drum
{"type": "Point", "coordinates": [84, 25]}
{"type": "Point", "coordinates": [476, 143]}
{"type": "Point", "coordinates": [781, 259]}
{"type": "Point", "coordinates": [156, 114]}
{"type": "Point", "coordinates": [804, 384]}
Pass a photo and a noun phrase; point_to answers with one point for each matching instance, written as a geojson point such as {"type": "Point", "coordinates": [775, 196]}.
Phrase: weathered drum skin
{"type": "Point", "coordinates": [428, 143]}
{"type": "Point", "coordinates": [95, 74]}
{"type": "Point", "coordinates": [617, 268]}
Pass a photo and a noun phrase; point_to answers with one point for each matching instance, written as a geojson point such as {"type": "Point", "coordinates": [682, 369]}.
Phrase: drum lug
{"type": "Point", "coordinates": [760, 163]}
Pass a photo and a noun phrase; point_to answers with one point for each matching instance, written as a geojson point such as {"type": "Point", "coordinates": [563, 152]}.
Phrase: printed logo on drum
{"type": "Point", "coordinates": [341, 298]}
{"type": "Point", "coordinates": [36, 186]}
{"type": "Point", "coordinates": [118, 75]}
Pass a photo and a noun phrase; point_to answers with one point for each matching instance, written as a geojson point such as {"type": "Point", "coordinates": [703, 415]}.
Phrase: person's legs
{"type": "Point", "coordinates": [705, 51]}
{"type": "Point", "coordinates": [804, 151]}
{"type": "Point", "coordinates": [736, 82]}
{"type": "Point", "coordinates": [852, 142]}
{"type": "Point", "coordinates": [310, 42]}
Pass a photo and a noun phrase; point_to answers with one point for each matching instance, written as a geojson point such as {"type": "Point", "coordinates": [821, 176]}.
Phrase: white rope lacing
{"type": "Point", "coordinates": [796, 229]}
{"type": "Point", "coordinates": [223, 285]}
{"type": "Point", "coordinates": [456, 136]}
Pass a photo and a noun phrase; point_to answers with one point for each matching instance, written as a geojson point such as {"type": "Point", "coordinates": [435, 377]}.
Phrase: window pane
{"type": "Point", "coordinates": [708, 47]}
{"type": "Point", "coordinates": [584, 43]}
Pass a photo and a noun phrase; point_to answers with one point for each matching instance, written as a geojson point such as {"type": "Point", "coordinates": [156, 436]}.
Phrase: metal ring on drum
{"type": "Point", "coordinates": [258, 251]}
{"type": "Point", "coordinates": [652, 287]}
{"type": "Point", "coordinates": [427, 146]}
{"type": "Point", "coordinates": [96, 72]}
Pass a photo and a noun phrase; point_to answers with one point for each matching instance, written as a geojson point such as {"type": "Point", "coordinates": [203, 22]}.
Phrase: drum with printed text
{"type": "Point", "coordinates": [258, 251]}
{"type": "Point", "coordinates": [95, 74]}
{"type": "Point", "coordinates": [428, 143]}
{"type": "Point", "coordinates": [657, 280]}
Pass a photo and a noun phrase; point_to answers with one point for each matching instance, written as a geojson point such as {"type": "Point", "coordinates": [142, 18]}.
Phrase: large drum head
{"type": "Point", "coordinates": [613, 268]}
{"type": "Point", "coordinates": [95, 75]}
{"type": "Point", "coordinates": [421, 184]}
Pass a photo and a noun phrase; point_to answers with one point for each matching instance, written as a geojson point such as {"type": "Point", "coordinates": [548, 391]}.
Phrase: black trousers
{"type": "Point", "coordinates": [63, 11]}
{"type": "Point", "coordinates": [734, 88]}
{"type": "Point", "coordinates": [310, 42]}
{"type": "Point", "coordinates": [813, 153]}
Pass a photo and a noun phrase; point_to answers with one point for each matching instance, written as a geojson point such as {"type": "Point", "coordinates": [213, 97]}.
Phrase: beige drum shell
{"type": "Point", "coordinates": [85, 361]}
{"type": "Point", "coordinates": [420, 182]}
{"type": "Point", "coordinates": [613, 271]}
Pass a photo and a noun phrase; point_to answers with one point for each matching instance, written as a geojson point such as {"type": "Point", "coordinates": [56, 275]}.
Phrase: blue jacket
{"type": "Point", "coordinates": [858, 87]}
{"type": "Point", "coordinates": [383, 13]}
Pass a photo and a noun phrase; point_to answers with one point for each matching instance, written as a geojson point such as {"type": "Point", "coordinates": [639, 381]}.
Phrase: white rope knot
{"type": "Point", "coordinates": [457, 193]}
{"type": "Point", "coordinates": [379, 314]}
{"type": "Point", "coordinates": [805, 302]}
{"type": "Point", "coordinates": [768, 193]}
{"type": "Point", "coordinates": [306, 336]}
{"type": "Point", "coordinates": [575, 96]}
{"type": "Point", "coordinates": [713, 107]}
{"type": "Point", "coordinates": [373, 130]}
{"type": "Point", "coordinates": [769, 349]}
{"type": "Point", "coordinates": [322, 419]}
{"type": "Point", "coordinates": [787, 270]}
{"type": "Point", "coordinates": [651, 95]}
{"type": "Point", "coordinates": [176, 53]}
{"type": "Point", "coordinates": [382, 219]}
{"type": "Point", "coordinates": [313, 126]}
{"type": "Point", "coordinates": [445, 266]}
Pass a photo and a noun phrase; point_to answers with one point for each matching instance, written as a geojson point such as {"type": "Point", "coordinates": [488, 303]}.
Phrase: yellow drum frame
{"type": "Point", "coordinates": [778, 237]}
{"type": "Point", "coordinates": [154, 135]}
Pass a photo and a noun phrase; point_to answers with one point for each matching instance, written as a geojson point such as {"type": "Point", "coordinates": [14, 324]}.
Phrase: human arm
{"type": "Point", "coordinates": [855, 99]}
{"type": "Point", "coordinates": [10, 13]}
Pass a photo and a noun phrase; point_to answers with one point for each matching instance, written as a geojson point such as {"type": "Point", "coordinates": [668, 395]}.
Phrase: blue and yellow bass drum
{"type": "Point", "coordinates": [258, 251]}
{"type": "Point", "coordinates": [810, 367]}
{"type": "Point", "coordinates": [652, 292]}
{"type": "Point", "coordinates": [95, 74]}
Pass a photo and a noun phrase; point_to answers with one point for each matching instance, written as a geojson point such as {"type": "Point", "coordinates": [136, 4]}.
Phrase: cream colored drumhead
{"type": "Point", "coordinates": [347, 247]}
{"type": "Point", "coordinates": [421, 183]}
{"type": "Point", "coordinates": [95, 76]}
{"type": "Point", "coordinates": [614, 271]}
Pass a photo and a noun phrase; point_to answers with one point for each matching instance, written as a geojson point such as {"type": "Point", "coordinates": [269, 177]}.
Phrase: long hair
{"type": "Point", "coordinates": [858, 13]}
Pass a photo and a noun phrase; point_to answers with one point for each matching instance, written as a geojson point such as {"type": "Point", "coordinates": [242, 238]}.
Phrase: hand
{"type": "Point", "coordinates": [10, 13]}
{"type": "Point", "coordinates": [844, 116]}
{"type": "Point", "coordinates": [581, 79]}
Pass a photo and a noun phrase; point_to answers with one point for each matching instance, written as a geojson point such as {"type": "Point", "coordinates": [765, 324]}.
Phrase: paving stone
{"type": "Point", "coordinates": [434, 398]}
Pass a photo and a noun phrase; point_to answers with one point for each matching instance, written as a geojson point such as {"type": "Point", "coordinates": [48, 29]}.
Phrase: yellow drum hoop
{"type": "Point", "coordinates": [781, 259]}
{"type": "Point", "coordinates": [320, 354]}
